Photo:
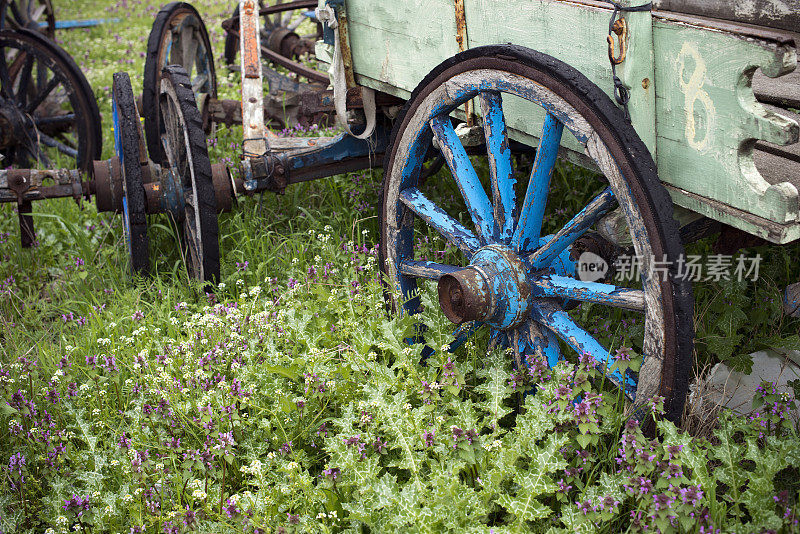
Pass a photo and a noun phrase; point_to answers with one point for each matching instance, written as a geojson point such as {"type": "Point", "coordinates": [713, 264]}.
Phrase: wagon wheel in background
{"type": "Point", "coordinates": [178, 37]}
{"type": "Point", "coordinates": [512, 285]}
{"type": "Point", "coordinates": [128, 145]}
{"type": "Point", "coordinates": [48, 114]}
{"type": "Point", "coordinates": [187, 155]}
{"type": "Point", "coordinates": [281, 35]}
{"type": "Point", "coordinates": [36, 15]}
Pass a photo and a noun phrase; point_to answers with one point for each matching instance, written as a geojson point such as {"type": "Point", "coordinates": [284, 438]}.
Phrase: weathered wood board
{"type": "Point", "coordinates": [708, 120]}
{"type": "Point", "coordinates": [783, 14]}
{"type": "Point", "coordinates": [783, 91]}
{"type": "Point", "coordinates": [691, 86]}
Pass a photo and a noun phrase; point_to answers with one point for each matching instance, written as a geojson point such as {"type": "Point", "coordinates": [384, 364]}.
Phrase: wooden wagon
{"type": "Point", "coordinates": [685, 112]}
{"type": "Point", "coordinates": [712, 98]}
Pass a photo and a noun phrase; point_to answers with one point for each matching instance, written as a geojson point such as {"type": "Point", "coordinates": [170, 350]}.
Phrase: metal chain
{"type": "Point", "coordinates": [621, 93]}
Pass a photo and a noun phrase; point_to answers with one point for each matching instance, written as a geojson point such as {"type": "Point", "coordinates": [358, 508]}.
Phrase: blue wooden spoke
{"type": "Point", "coordinates": [478, 205]}
{"type": "Point", "coordinates": [455, 232]}
{"type": "Point", "coordinates": [575, 228]}
{"type": "Point", "coordinates": [462, 334]}
{"type": "Point", "coordinates": [501, 169]}
{"type": "Point", "coordinates": [572, 289]}
{"type": "Point", "coordinates": [541, 342]}
{"type": "Point", "coordinates": [562, 325]}
{"type": "Point", "coordinates": [529, 228]}
{"type": "Point", "coordinates": [426, 269]}
{"type": "Point", "coordinates": [495, 338]}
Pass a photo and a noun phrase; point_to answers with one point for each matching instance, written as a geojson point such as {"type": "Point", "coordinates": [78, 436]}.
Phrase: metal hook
{"type": "Point", "coordinates": [620, 28]}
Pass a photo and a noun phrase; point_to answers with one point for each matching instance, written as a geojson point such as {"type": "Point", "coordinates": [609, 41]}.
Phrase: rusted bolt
{"type": "Point", "coordinates": [645, 83]}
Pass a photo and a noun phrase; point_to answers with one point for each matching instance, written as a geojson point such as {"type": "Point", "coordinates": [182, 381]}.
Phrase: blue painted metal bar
{"type": "Point", "coordinates": [343, 153]}
{"type": "Point", "coordinates": [426, 269]}
{"type": "Point", "coordinates": [572, 289]}
{"type": "Point", "coordinates": [575, 228]}
{"type": "Point", "coordinates": [464, 173]}
{"type": "Point", "coordinates": [71, 24]}
{"type": "Point", "coordinates": [529, 228]}
{"type": "Point", "coordinates": [501, 169]}
{"type": "Point", "coordinates": [451, 229]}
{"type": "Point", "coordinates": [561, 324]}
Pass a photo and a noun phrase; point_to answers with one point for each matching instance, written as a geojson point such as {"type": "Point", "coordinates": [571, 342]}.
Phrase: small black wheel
{"type": "Point", "coordinates": [127, 143]}
{"type": "Point", "coordinates": [35, 15]}
{"type": "Point", "coordinates": [511, 277]}
{"type": "Point", "coordinates": [48, 113]}
{"type": "Point", "coordinates": [178, 37]}
{"type": "Point", "coordinates": [187, 155]}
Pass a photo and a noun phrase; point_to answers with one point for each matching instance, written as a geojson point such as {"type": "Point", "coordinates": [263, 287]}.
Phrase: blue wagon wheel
{"type": "Point", "coordinates": [511, 281]}
{"type": "Point", "coordinates": [128, 147]}
{"type": "Point", "coordinates": [178, 37]}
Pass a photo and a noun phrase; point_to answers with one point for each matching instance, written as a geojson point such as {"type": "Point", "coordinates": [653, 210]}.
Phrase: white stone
{"type": "Point", "coordinates": [735, 391]}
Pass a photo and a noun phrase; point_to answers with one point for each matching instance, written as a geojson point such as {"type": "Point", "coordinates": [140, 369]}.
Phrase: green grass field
{"type": "Point", "coordinates": [289, 402]}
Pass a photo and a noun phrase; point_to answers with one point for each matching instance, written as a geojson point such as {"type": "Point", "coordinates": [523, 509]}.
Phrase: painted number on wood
{"type": "Point", "coordinates": [693, 91]}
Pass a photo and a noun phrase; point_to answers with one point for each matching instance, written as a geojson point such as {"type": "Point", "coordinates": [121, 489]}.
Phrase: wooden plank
{"type": "Point", "coordinates": [783, 91]}
{"type": "Point", "coordinates": [285, 144]}
{"type": "Point", "coordinates": [778, 164]}
{"type": "Point", "coordinates": [783, 14]}
{"type": "Point", "coordinates": [752, 224]}
{"type": "Point", "coordinates": [790, 152]}
{"type": "Point", "coordinates": [776, 169]}
{"type": "Point", "coordinates": [705, 118]}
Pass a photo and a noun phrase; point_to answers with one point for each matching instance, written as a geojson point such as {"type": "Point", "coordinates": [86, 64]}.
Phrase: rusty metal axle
{"type": "Point", "coordinates": [493, 289]}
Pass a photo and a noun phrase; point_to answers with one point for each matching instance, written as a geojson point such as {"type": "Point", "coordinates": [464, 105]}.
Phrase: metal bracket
{"type": "Point", "coordinates": [344, 153]}
{"type": "Point", "coordinates": [255, 142]}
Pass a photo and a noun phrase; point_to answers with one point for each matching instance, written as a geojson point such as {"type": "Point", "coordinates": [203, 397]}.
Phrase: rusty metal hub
{"type": "Point", "coordinates": [288, 43]}
{"type": "Point", "coordinates": [14, 126]}
{"type": "Point", "coordinates": [493, 289]}
{"type": "Point", "coordinates": [107, 184]}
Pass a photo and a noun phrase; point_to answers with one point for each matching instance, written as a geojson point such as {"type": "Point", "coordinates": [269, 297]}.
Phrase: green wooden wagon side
{"type": "Point", "coordinates": [691, 80]}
